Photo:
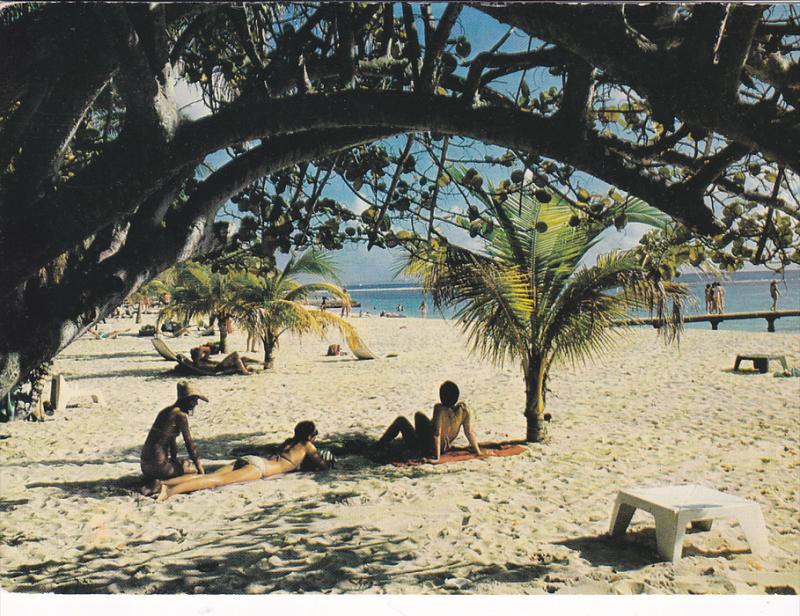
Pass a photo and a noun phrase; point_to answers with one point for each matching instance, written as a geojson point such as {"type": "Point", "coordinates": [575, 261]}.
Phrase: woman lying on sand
{"type": "Point", "coordinates": [294, 452]}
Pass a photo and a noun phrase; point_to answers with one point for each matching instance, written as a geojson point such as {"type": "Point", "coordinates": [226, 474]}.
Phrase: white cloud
{"type": "Point", "coordinates": [189, 99]}
{"type": "Point", "coordinates": [359, 205]}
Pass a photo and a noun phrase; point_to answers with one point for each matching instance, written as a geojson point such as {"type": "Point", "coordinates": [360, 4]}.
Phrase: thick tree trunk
{"type": "Point", "coordinates": [270, 342]}
{"type": "Point", "coordinates": [138, 313]}
{"type": "Point", "coordinates": [223, 334]}
{"type": "Point", "coordinates": [535, 378]}
{"type": "Point", "coordinates": [42, 319]}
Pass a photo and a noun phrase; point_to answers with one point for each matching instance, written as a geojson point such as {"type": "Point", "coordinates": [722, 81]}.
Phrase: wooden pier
{"type": "Point", "coordinates": [716, 319]}
{"type": "Point", "coordinates": [332, 303]}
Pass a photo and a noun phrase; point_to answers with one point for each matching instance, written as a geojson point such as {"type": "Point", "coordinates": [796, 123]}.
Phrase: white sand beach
{"type": "Point", "coordinates": [644, 414]}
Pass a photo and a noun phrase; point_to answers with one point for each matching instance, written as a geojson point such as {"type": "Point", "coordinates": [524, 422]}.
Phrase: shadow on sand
{"type": "Point", "coordinates": [295, 545]}
{"type": "Point", "coordinates": [637, 549]}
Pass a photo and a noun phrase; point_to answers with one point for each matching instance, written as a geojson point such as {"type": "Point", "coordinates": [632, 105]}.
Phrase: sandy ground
{"type": "Point", "coordinates": [645, 414]}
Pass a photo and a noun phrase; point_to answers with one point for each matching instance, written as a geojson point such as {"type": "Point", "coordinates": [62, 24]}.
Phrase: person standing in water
{"type": "Point", "coordinates": [346, 304]}
{"type": "Point", "coordinates": [423, 309]}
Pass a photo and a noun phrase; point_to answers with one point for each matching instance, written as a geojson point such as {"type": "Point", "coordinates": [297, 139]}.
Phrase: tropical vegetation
{"type": "Point", "coordinates": [525, 296]}
{"type": "Point", "coordinates": [265, 302]}
{"type": "Point", "coordinates": [198, 291]}
{"type": "Point", "coordinates": [134, 136]}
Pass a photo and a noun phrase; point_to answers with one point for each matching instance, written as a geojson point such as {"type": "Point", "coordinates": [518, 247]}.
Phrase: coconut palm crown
{"type": "Point", "coordinates": [198, 291]}
{"type": "Point", "coordinates": [272, 304]}
{"type": "Point", "coordinates": [525, 297]}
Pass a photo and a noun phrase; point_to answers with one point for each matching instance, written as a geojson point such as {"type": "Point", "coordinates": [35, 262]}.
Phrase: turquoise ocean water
{"type": "Point", "coordinates": [745, 292]}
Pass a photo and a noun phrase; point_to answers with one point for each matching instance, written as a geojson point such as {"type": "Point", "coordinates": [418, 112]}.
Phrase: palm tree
{"type": "Point", "coordinates": [269, 305]}
{"type": "Point", "coordinates": [524, 297]}
{"type": "Point", "coordinates": [199, 291]}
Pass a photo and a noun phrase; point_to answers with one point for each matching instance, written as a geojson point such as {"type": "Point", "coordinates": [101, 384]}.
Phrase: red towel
{"type": "Point", "coordinates": [461, 454]}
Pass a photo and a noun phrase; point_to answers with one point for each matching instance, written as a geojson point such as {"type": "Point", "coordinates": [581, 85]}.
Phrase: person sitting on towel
{"type": "Point", "coordinates": [296, 452]}
{"type": "Point", "coordinates": [431, 438]}
{"type": "Point", "coordinates": [201, 357]}
{"type": "Point", "coordinates": [160, 452]}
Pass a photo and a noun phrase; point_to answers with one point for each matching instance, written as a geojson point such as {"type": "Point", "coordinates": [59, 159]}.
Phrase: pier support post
{"type": "Point", "coordinates": [715, 324]}
{"type": "Point", "coordinates": [770, 324]}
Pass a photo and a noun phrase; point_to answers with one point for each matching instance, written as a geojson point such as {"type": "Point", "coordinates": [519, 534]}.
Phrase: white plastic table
{"type": "Point", "coordinates": [673, 507]}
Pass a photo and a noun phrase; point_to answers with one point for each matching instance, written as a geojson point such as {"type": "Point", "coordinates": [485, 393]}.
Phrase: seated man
{"type": "Point", "coordinates": [201, 357]}
{"type": "Point", "coordinates": [160, 452]}
{"type": "Point", "coordinates": [431, 438]}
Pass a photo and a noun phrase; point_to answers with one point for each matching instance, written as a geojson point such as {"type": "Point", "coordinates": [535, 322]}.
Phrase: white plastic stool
{"type": "Point", "coordinates": [673, 507]}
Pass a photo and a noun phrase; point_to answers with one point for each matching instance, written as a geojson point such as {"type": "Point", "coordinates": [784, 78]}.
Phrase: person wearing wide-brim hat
{"type": "Point", "coordinates": [160, 452]}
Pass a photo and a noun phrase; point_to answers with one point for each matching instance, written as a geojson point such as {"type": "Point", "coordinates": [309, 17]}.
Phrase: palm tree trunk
{"type": "Point", "coordinates": [270, 342]}
{"type": "Point", "coordinates": [138, 313]}
{"type": "Point", "coordinates": [223, 334]}
{"type": "Point", "coordinates": [535, 378]}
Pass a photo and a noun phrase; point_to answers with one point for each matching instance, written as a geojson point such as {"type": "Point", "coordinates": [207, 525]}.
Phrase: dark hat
{"type": "Point", "coordinates": [186, 390]}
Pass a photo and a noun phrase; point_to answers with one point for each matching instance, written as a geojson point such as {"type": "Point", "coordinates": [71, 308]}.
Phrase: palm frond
{"type": "Point", "coordinates": [329, 320]}
{"type": "Point", "coordinates": [313, 262]}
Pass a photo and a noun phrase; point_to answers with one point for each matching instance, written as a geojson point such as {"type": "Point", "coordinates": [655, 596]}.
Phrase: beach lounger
{"type": "Point", "coordinates": [185, 364]}
{"type": "Point", "coordinates": [161, 347]}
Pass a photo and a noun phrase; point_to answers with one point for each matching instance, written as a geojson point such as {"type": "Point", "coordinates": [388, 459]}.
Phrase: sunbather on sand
{"type": "Point", "coordinates": [294, 452]}
{"type": "Point", "coordinates": [160, 452]}
{"type": "Point", "coordinates": [431, 438]}
{"type": "Point", "coordinates": [201, 357]}
{"type": "Point", "coordinates": [98, 335]}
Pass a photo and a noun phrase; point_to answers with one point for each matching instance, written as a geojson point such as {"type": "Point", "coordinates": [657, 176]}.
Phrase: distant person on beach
{"type": "Point", "coordinates": [717, 298]}
{"type": "Point", "coordinates": [423, 309]}
{"type": "Point", "coordinates": [709, 299]}
{"type": "Point", "coordinates": [392, 315]}
{"type": "Point", "coordinates": [159, 458]}
{"type": "Point", "coordinates": [294, 452]}
{"type": "Point", "coordinates": [431, 438]}
{"type": "Point", "coordinates": [774, 293]}
{"type": "Point", "coordinates": [201, 357]}
{"type": "Point", "coordinates": [324, 305]}
{"type": "Point", "coordinates": [98, 335]}
{"type": "Point", "coordinates": [345, 304]}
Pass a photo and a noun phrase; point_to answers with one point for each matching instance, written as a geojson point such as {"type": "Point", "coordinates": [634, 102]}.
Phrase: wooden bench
{"type": "Point", "coordinates": [760, 361]}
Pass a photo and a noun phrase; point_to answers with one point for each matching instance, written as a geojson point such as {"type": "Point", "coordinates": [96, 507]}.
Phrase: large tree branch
{"type": "Point", "coordinates": [433, 51]}
{"type": "Point", "coordinates": [17, 124]}
{"type": "Point", "coordinates": [83, 206]}
{"type": "Point", "coordinates": [683, 82]}
{"type": "Point", "coordinates": [52, 127]}
{"type": "Point", "coordinates": [273, 154]}
{"type": "Point", "coordinates": [505, 63]}
{"type": "Point", "coordinates": [779, 71]}
{"type": "Point", "coordinates": [145, 76]}
{"type": "Point", "coordinates": [577, 98]}
{"type": "Point", "coordinates": [412, 49]}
